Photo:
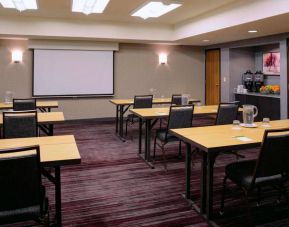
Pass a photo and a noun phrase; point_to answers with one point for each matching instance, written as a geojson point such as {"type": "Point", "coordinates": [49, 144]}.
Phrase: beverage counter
{"type": "Point", "coordinates": [268, 104]}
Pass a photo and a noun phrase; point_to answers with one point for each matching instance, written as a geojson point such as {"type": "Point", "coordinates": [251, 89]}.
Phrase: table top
{"type": "Point", "coordinates": [54, 150]}
{"type": "Point", "coordinates": [222, 137]}
{"type": "Point", "coordinates": [39, 104]}
{"type": "Point", "coordinates": [155, 101]}
{"type": "Point", "coordinates": [150, 113]}
{"type": "Point", "coordinates": [45, 117]}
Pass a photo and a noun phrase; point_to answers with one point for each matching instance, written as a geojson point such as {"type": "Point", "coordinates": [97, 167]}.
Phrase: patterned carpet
{"type": "Point", "coordinates": [113, 187]}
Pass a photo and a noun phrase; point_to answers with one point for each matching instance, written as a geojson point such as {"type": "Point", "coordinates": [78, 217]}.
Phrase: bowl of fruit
{"type": "Point", "coordinates": [270, 89]}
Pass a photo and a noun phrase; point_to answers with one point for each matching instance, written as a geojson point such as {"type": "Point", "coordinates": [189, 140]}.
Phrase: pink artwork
{"type": "Point", "coordinates": [271, 63]}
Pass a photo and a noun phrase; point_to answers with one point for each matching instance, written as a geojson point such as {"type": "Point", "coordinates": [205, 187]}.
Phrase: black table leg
{"type": "Point", "coordinates": [140, 136]}
{"type": "Point", "coordinates": [211, 157]}
{"type": "Point", "coordinates": [121, 113]}
{"type": "Point", "coordinates": [148, 143]}
{"type": "Point", "coordinates": [188, 171]}
{"type": "Point", "coordinates": [203, 183]}
{"type": "Point", "coordinates": [58, 196]}
{"type": "Point", "coordinates": [121, 121]}
{"type": "Point", "coordinates": [116, 119]}
{"type": "Point", "coordinates": [51, 129]}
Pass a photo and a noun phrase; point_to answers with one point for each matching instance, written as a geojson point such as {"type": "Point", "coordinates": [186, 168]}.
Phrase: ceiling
{"type": "Point", "coordinates": [217, 20]}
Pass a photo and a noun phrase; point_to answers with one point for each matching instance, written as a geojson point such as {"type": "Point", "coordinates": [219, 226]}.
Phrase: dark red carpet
{"type": "Point", "coordinates": [113, 187]}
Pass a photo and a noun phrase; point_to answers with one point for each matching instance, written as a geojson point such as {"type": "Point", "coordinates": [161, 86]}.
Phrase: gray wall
{"type": "Point", "coordinates": [235, 62]}
{"type": "Point", "coordinates": [136, 71]}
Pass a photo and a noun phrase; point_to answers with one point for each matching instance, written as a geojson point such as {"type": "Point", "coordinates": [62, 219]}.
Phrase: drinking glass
{"type": "Point", "coordinates": [236, 124]}
{"type": "Point", "coordinates": [266, 122]}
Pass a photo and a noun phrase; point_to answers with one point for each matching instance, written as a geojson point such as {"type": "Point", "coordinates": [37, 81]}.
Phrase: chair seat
{"type": "Point", "coordinates": [25, 213]}
{"type": "Point", "coordinates": [242, 174]}
{"type": "Point", "coordinates": [161, 135]}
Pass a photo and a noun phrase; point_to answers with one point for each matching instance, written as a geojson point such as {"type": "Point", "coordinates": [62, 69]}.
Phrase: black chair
{"type": "Point", "coordinates": [179, 117]}
{"type": "Point", "coordinates": [22, 194]}
{"type": "Point", "coordinates": [271, 168]}
{"type": "Point", "coordinates": [176, 100]}
{"type": "Point", "coordinates": [24, 104]}
{"type": "Point", "coordinates": [140, 101]}
{"type": "Point", "coordinates": [20, 124]}
{"type": "Point", "coordinates": [227, 113]}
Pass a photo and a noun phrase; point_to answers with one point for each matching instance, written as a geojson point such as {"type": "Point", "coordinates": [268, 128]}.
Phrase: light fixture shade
{"type": "Point", "coordinates": [17, 56]}
{"type": "Point", "coordinates": [154, 9]}
{"type": "Point", "coordinates": [89, 6]}
{"type": "Point", "coordinates": [163, 58]}
{"type": "Point", "coordinates": [20, 5]}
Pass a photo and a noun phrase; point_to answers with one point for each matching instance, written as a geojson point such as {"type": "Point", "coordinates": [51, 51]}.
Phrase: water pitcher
{"type": "Point", "coordinates": [248, 114]}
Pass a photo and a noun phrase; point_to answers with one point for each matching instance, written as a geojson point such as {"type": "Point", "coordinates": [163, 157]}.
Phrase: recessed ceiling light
{"type": "Point", "coordinates": [252, 31]}
{"type": "Point", "coordinates": [20, 5]}
{"type": "Point", "coordinates": [154, 9]}
{"type": "Point", "coordinates": [89, 6]}
{"type": "Point", "coordinates": [206, 40]}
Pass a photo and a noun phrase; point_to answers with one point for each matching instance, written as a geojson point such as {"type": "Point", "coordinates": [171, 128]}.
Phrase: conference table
{"type": "Point", "coordinates": [149, 114]}
{"type": "Point", "coordinates": [213, 140]}
{"type": "Point", "coordinates": [122, 106]}
{"type": "Point", "coordinates": [43, 106]}
{"type": "Point", "coordinates": [55, 151]}
{"type": "Point", "coordinates": [46, 121]}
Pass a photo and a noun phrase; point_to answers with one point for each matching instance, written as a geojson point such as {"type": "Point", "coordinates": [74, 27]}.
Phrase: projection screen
{"type": "Point", "coordinates": [66, 73]}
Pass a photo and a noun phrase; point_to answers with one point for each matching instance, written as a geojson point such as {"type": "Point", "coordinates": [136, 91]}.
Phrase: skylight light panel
{"type": "Point", "coordinates": [155, 9]}
{"type": "Point", "coordinates": [89, 6]}
{"type": "Point", "coordinates": [20, 5]}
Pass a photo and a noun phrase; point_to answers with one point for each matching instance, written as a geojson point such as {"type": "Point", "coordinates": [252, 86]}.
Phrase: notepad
{"type": "Point", "coordinates": [243, 138]}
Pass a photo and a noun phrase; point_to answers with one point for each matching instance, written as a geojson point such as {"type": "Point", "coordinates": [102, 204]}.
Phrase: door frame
{"type": "Point", "coordinates": [206, 50]}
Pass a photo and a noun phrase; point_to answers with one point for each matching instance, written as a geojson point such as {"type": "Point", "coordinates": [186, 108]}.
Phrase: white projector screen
{"type": "Point", "coordinates": [72, 73]}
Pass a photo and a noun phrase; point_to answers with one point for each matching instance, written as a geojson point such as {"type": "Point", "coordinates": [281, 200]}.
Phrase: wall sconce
{"type": "Point", "coordinates": [17, 56]}
{"type": "Point", "coordinates": [163, 58]}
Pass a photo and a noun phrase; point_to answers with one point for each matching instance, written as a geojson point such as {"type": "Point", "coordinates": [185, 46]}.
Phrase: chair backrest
{"type": "Point", "coordinates": [180, 117]}
{"type": "Point", "coordinates": [227, 113]}
{"type": "Point", "coordinates": [20, 180]}
{"type": "Point", "coordinates": [273, 157]}
{"type": "Point", "coordinates": [143, 101]}
{"type": "Point", "coordinates": [24, 104]}
{"type": "Point", "coordinates": [176, 99]}
{"type": "Point", "coordinates": [20, 124]}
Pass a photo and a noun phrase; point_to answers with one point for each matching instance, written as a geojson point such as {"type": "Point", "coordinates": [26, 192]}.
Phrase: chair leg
{"type": "Point", "coordinates": [248, 216]}
{"type": "Point", "coordinates": [164, 156]}
{"type": "Point", "coordinates": [284, 192]}
{"type": "Point", "coordinates": [259, 196]}
{"type": "Point", "coordinates": [155, 142]}
{"type": "Point", "coordinates": [180, 150]}
{"type": "Point", "coordinates": [223, 195]}
{"type": "Point", "coordinates": [193, 155]}
{"type": "Point", "coordinates": [126, 122]}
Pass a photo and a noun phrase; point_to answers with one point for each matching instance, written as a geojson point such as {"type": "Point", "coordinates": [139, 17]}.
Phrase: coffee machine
{"type": "Point", "coordinates": [248, 80]}
{"type": "Point", "coordinates": [258, 81]}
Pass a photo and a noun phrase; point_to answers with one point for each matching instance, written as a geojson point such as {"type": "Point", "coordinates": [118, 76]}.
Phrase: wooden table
{"type": "Point", "coordinates": [122, 105]}
{"type": "Point", "coordinates": [55, 151]}
{"type": "Point", "coordinates": [149, 114]}
{"type": "Point", "coordinates": [44, 106]}
{"type": "Point", "coordinates": [213, 140]}
{"type": "Point", "coordinates": [46, 121]}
